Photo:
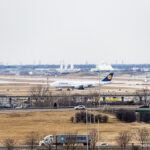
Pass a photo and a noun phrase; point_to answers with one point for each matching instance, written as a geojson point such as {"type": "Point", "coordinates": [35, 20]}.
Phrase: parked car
{"type": "Point", "coordinates": [19, 107]}
{"type": "Point", "coordinates": [80, 107]}
{"type": "Point", "coordinates": [103, 144]}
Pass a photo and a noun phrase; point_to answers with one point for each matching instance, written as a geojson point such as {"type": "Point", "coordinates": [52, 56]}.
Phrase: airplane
{"type": "Point", "coordinates": [81, 85]}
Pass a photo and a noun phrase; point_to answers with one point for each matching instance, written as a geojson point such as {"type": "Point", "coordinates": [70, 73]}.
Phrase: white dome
{"type": "Point", "coordinates": [102, 67]}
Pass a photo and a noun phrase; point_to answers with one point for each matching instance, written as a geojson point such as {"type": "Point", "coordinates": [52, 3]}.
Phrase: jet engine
{"type": "Point", "coordinates": [80, 87]}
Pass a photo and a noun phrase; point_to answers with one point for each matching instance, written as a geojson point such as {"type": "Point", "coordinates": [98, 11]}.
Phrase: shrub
{"type": "Point", "coordinates": [105, 119]}
{"type": "Point", "coordinates": [81, 117]}
{"type": "Point", "coordinates": [72, 119]}
{"type": "Point", "coordinates": [144, 117]}
{"type": "Point", "coordinates": [126, 116]}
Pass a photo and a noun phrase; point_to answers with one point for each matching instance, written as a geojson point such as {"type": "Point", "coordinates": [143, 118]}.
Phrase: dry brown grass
{"type": "Point", "coordinates": [19, 125]}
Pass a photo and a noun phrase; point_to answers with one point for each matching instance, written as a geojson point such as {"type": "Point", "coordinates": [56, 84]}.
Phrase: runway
{"type": "Point", "coordinates": [11, 85]}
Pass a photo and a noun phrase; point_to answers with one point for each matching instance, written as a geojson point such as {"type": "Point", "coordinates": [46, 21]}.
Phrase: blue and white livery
{"type": "Point", "coordinates": [82, 84]}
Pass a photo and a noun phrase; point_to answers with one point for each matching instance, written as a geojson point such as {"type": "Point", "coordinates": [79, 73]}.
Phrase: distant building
{"type": "Point", "coordinates": [65, 69]}
{"type": "Point", "coordinates": [102, 67]}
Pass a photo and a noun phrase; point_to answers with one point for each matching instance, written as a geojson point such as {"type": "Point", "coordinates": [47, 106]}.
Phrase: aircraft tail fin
{"type": "Point", "coordinates": [108, 77]}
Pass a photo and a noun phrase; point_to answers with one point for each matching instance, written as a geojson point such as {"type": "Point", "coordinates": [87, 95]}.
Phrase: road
{"type": "Point", "coordinates": [127, 107]}
{"type": "Point", "coordinates": [3, 111]}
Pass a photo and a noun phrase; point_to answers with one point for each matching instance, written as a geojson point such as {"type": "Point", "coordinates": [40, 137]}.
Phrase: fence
{"type": "Point", "coordinates": [131, 147]}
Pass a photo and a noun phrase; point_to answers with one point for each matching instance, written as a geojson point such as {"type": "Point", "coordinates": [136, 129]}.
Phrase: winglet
{"type": "Point", "coordinates": [108, 77]}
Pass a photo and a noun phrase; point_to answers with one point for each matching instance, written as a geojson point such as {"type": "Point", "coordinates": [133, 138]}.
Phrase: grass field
{"type": "Point", "coordinates": [19, 125]}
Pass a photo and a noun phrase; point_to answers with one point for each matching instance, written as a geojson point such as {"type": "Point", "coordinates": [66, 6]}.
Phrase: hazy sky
{"type": "Point", "coordinates": [76, 31]}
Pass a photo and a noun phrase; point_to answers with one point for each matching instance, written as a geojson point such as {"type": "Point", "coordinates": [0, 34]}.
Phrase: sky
{"type": "Point", "coordinates": [74, 31]}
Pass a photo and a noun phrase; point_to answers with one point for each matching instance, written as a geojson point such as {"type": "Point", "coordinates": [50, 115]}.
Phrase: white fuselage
{"type": "Point", "coordinates": [76, 84]}
{"type": "Point", "coordinates": [81, 84]}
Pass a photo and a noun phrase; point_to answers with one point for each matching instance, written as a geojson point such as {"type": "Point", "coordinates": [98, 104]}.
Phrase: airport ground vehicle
{"type": "Point", "coordinates": [114, 99]}
{"type": "Point", "coordinates": [66, 138]}
{"type": "Point", "coordinates": [80, 107]}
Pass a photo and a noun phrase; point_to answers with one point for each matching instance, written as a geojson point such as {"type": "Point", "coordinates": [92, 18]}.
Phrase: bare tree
{"type": "Point", "coordinates": [32, 140]}
{"type": "Point", "coordinates": [39, 91]}
{"type": "Point", "coordinates": [143, 136]}
{"type": "Point", "coordinates": [42, 95]}
{"type": "Point", "coordinates": [48, 145]}
{"type": "Point", "coordinates": [9, 143]}
{"type": "Point", "coordinates": [94, 138]}
{"type": "Point", "coordinates": [123, 139]}
{"type": "Point", "coordinates": [71, 140]}
{"type": "Point", "coordinates": [50, 141]}
{"type": "Point", "coordinates": [66, 99]}
{"type": "Point", "coordinates": [145, 94]}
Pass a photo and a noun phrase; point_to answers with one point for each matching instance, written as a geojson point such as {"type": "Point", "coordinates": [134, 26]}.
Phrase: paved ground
{"type": "Point", "coordinates": [129, 107]}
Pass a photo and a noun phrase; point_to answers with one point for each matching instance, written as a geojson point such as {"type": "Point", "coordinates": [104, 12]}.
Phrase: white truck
{"type": "Point", "coordinates": [65, 138]}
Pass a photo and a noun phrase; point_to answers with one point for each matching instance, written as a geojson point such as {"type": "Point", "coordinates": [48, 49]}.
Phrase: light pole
{"type": "Point", "coordinates": [87, 130]}
{"type": "Point", "coordinates": [98, 134]}
{"type": "Point", "coordinates": [99, 86]}
{"type": "Point", "coordinates": [99, 107]}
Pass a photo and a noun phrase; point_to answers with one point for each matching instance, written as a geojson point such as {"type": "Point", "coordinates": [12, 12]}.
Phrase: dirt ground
{"type": "Point", "coordinates": [19, 125]}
